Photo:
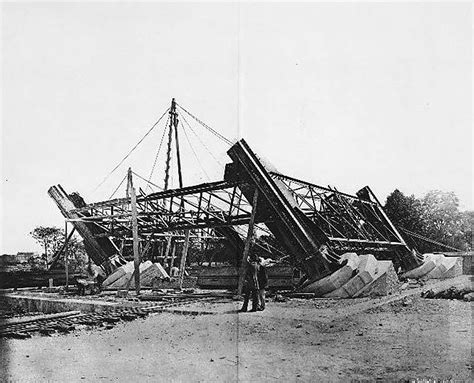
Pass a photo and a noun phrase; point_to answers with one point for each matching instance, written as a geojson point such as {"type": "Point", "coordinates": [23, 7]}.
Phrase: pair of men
{"type": "Point", "coordinates": [254, 284]}
{"type": "Point", "coordinates": [93, 283]}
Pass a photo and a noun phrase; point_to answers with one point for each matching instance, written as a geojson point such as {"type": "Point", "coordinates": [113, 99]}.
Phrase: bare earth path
{"type": "Point", "coordinates": [409, 339]}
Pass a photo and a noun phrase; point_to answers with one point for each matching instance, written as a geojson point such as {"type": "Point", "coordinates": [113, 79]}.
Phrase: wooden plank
{"type": "Point", "coordinates": [184, 254]}
{"type": "Point", "coordinates": [66, 266]}
{"type": "Point", "coordinates": [59, 252]}
{"type": "Point", "coordinates": [457, 254]}
{"type": "Point", "coordinates": [167, 250]}
{"type": "Point", "coordinates": [136, 253]}
{"type": "Point", "coordinates": [173, 256]}
{"type": "Point", "coordinates": [11, 321]}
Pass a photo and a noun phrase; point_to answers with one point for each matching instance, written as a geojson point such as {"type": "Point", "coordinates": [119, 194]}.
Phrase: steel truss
{"type": "Point", "coordinates": [350, 222]}
{"type": "Point", "coordinates": [302, 216]}
{"type": "Point", "coordinates": [204, 206]}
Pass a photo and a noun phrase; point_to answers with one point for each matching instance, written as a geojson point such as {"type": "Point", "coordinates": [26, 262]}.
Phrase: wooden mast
{"type": "Point", "coordinates": [136, 253]}
{"type": "Point", "coordinates": [173, 125]}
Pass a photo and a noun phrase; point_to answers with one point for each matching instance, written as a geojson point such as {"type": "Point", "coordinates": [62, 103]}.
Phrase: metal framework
{"type": "Point", "coordinates": [350, 222]}
{"type": "Point", "coordinates": [201, 206]}
{"type": "Point", "coordinates": [303, 217]}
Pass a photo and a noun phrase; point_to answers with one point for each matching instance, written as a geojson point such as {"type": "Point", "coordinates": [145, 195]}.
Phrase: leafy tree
{"type": "Point", "coordinates": [405, 211]}
{"type": "Point", "coordinates": [76, 255]}
{"type": "Point", "coordinates": [435, 216]}
{"type": "Point", "coordinates": [442, 219]}
{"type": "Point", "coordinates": [48, 237]}
{"type": "Point", "coordinates": [52, 239]}
{"type": "Point", "coordinates": [468, 224]}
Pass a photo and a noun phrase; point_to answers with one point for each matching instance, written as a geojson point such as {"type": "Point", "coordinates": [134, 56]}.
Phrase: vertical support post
{"type": "Point", "coordinates": [136, 253]}
{"type": "Point", "coordinates": [172, 113]}
{"type": "Point", "coordinates": [184, 254]}
{"type": "Point", "coordinates": [129, 185]}
{"type": "Point", "coordinates": [66, 267]}
{"type": "Point", "coordinates": [173, 256]}
{"type": "Point", "coordinates": [178, 156]}
{"type": "Point", "coordinates": [243, 264]}
{"type": "Point", "coordinates": [167, 251]}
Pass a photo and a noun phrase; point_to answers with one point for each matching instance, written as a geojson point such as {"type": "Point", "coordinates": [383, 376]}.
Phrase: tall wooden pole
{"type": "Point", "coordinates": [178, 156]}
{"type": "Point", "coordinates": [243, 264]}
{"type": "Point", "coordinates": [173, 256]}
{"type": "Point", "coordinates": [184, 254]}
{"type": "Point", "coordinates": [65, 255]}
{"type": "Point", "coordinates": [136, 253]}
{"type": "Point", "coordinates": [173, 121]}
{"type": "Point", "coordinates": [167, 252]}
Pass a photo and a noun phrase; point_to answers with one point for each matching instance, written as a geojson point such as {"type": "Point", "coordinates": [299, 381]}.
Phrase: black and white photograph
{"type": "Point", "coordinates": [236, 191]}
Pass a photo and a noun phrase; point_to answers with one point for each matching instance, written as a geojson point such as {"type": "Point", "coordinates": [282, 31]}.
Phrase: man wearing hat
{"type": "Point", "coordinates": [251, 286]}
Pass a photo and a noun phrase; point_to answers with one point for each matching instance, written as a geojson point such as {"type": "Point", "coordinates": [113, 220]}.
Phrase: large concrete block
{"type": "Point", "coordinates": [117, 274]}
{"type": "Point", "coordinates": [163, 272]}
{"type": "Point", "coordinates": [149, 274]}
{"type": "Point", "coordinates": [456, 270]}
{"type": "Point", "coordinates": [420, 271]}
{"type": "Point", "coordinates": [124, 280]}
{"type": "Point", "coordinates": [366, 271]}
{"type": "Point", "coordinates": [385, 282]}
{"type": "Point", "coordinates": [121, 282]}
{"type": "Point", "coordinates": [444, 264]}
{"type": "Point", "coordinates": [336, 279]}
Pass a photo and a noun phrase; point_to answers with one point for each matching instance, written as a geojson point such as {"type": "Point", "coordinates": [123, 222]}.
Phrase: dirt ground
{"type": "Point", "coordinates": [290, 341]}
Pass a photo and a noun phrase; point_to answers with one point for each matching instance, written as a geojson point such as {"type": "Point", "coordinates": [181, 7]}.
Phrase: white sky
{"type": "Point", "coordinates": [346, 94]}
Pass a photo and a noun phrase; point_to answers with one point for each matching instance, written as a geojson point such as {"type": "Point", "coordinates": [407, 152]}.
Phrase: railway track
{"type": "Point", "coordinates": [48, 326]}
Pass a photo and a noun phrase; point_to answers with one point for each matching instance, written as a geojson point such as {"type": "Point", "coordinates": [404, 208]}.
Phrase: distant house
{"type": "Point", "coordinates": [13, 259]}
{"type": "Point", "coordinates": [22, 257]}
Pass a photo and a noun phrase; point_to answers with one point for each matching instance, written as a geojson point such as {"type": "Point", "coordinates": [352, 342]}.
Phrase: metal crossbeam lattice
{"type": "Point", "coordinates": [350, 222]}
{"type": "Point", "coordinates": [202, 206]}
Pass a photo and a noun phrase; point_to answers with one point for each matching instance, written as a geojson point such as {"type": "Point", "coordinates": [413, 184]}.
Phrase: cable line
{"type": "Point", "coordinates": [419, 236]}
{"type": "Point", "coordinates": [144, 179]}
{"type": "Point", "coordinates": [217, 134]}
{"type": "Point", "coordinates": [131, 151]}
{"type": "Point", "coordinates": [194, 152]}
{"type": "Point", "coordinates": [118, 187]}
{"type": "Point", "coordinates": [202, 143]}
{"type": "Point", "coordinates": [157, 153]}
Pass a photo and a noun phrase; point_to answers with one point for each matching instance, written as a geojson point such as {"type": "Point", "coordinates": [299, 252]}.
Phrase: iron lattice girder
{"type": "Point", "coordinates": [302, 216]}
{"type": "Point", "coordinates": [347, 220]}
{"type": "Point", "coordinates": [222, 204]}
{"type": "Point", "coordinates": [200, 206]}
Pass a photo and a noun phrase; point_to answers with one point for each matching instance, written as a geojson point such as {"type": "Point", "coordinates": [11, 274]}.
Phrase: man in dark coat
{"type": "Point", "coordinates": [251, 285]}
{"type": "Point", "coordinates": [262, 278]}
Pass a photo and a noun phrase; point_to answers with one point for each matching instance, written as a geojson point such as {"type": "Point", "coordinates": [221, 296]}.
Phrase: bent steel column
{"type": "Point", "coordinates": [99, 252]}
{"type": "Point", "coordinates": [301, 241]}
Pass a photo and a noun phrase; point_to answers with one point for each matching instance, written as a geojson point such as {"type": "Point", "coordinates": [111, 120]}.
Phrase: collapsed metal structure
{"type": "Point", "coordinates": [313, 224]}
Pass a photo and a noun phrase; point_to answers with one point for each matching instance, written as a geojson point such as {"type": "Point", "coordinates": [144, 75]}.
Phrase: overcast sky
{"type": "Point", "coordinates": [343, 94]}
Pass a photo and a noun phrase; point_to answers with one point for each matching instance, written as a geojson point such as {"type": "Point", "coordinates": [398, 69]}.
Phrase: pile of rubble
{"type": "Point", "coordinates": [462, 291]}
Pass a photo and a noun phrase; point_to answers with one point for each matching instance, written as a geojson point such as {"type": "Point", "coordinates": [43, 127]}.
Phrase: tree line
{"type": "Point", "coordinates": [435, 216]}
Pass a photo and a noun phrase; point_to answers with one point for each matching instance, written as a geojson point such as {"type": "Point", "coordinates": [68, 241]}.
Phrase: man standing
{"type": "Point", "coordinates": [262, 278]}
{"type": "Point", "coordinates": [97, 274]}
{"type": "Point", "coordinates": [251, 284]}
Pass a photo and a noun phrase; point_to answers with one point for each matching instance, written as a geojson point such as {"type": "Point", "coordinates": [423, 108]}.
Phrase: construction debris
{"type": "Point", "coordinates": [462, 290]}
{"type": "Point", "coordinates": [69, 321]}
